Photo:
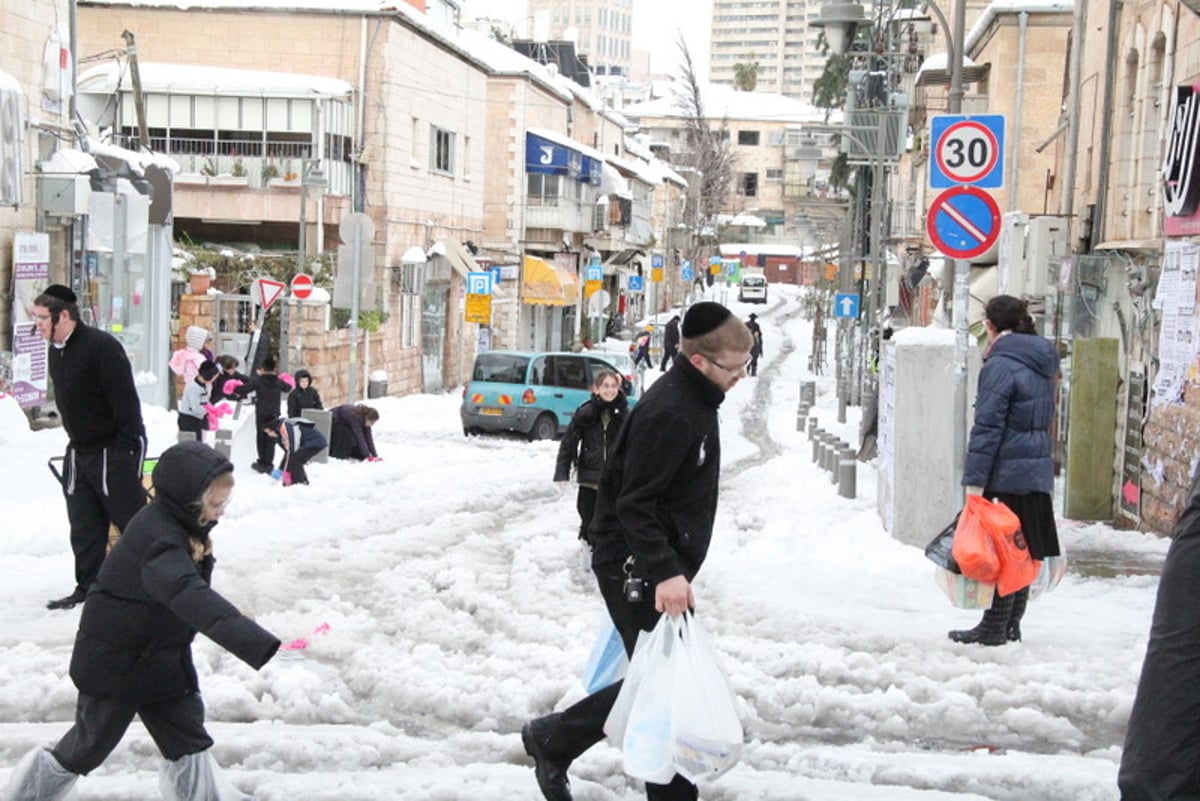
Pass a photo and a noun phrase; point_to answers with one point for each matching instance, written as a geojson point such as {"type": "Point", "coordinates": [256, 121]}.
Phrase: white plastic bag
{"type": "Point", "coordinates": [1051, 573]}
{"type": "Point", "coordinates": [607, 662]}
{"type": "Point", "coordinates": [640, 720]}
{"type": "Point", "coordinates": [196, 777]}
{"type": "Point", "coordinates": [706, 734]}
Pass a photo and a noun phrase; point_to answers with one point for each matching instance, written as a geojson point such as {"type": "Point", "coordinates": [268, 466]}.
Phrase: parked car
{"type": "Point", "coordinates": [532, 393]}
{"type": "Point", "coordinates": [753, 288]}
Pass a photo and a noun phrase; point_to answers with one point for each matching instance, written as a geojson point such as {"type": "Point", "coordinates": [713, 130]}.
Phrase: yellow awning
{"type": "Point", "coordinates": [547, 284]}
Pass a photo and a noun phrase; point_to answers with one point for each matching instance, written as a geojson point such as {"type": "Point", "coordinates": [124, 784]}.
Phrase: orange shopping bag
{"type": "Point", "coordinates": [1017, 568]}
{"type": "Point", "coordinates": [974, 548]}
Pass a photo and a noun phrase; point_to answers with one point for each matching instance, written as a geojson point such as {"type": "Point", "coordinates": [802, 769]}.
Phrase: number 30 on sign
{"type": "Point", "coordinates": [966, 151]}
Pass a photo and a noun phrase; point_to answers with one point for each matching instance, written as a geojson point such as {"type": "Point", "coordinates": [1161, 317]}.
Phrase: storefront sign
{"type": "Point", "coordinates": [31, 273]}
{"type": "Point", "coordinates": [1181, 165]}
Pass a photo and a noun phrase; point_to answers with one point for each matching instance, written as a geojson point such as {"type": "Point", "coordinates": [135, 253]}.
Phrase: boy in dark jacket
{"type": "Point", "coordinates": [268, 390]}
{"type": "Point", "coordinates": [133, 653]}
{"type": "Point", "coordinates": [304, 396]}
{"type": "Point", "coordinates": [590, 439]}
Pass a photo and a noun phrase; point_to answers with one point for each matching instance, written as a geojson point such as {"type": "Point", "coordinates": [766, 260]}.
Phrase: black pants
{"type": "Point", "coordinates": [100, 487]}
{"type": "Point", "coordinates": [265, 444]}
{"type": "Point", "coordinates": [343, 444]}
{"type": "Point", "coordinates": [193, 424]}
{"type": "Point", "coordinates": [585, 504]}
{"type": "Point", "coordinates": [668, 357]}
{"type": "Point", "coordinates": [582, 725]}
{"type": "Point", "coordinates": [296, 462]}
{"type": "Point", "coordinates": [176, 725]}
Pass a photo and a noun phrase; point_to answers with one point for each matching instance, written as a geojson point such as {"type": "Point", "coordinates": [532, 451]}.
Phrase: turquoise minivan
{"type": "Point", "coordinates": [532, 393]}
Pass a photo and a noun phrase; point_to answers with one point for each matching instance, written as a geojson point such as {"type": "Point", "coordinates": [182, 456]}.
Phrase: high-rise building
{"type": "Point", "coordinates": [772, 33]}
{"type": "Point", "coordinates": [601, 29]}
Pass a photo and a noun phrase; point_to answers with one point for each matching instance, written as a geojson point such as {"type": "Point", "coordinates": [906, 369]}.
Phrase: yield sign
{"type": "Point", "coordinates": [963, 222]}
{"type": "Point", "coordinates": [266, 291]}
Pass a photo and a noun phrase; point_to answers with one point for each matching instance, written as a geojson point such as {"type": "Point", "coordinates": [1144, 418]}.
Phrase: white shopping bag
{"type": "Point", "coordinates": [640, 720]}
{"type": "Point", "coordinates": [607, 662]}
{"type": "Point", "coordinates": [706, 734]}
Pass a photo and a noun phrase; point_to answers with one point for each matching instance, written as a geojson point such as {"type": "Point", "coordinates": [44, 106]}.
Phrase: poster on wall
{"type": "Point", "coordinates": [1178, 333]}
{"type": "Point", "coordinates": [31, 273]}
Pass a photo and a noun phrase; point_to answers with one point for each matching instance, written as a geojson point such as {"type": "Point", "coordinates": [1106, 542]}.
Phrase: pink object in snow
{"type": "Point", "coordinates": [298, 644]}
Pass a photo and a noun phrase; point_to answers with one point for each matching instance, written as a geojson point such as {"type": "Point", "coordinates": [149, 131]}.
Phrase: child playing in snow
{"type": "Point", "coordinates": [193, 414]}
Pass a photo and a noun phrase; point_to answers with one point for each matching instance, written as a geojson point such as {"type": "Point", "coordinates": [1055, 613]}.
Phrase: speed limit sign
{"type": "Point", "coordinates": [966, 151]}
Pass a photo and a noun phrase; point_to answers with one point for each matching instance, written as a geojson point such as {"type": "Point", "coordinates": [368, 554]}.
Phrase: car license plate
{"type": "Point", "coordinates": [492, 412]}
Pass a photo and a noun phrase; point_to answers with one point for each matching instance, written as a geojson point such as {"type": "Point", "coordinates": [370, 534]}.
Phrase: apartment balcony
{"type": "Point", "coordinates": [558, 214]}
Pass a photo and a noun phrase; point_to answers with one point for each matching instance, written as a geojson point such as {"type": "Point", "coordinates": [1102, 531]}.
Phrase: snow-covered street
{"type": "Point", "coordinates": [457, 607]}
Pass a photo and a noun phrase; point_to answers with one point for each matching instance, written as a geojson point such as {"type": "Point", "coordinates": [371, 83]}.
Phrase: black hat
{"type": "Point", "coordinates": [61, 292]}
{"type": "Point", "coordinates": [208, 370]}
{"type": "Point", "coordinates": [753, 316]}
{"type": "Point", "coordinates": [702, 318]}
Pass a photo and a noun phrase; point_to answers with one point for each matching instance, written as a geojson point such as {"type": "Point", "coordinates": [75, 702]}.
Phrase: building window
{"type": "Point", "coordinates": [542, 190]}
{"type": "Point", "coordinates": [441, 150]}
{"type": "Point", "coordinates": [774, 176]}
{"type": "Point", "coordinates": [748, 185]}
{"type": "Point", "coordinates": [747, 137]}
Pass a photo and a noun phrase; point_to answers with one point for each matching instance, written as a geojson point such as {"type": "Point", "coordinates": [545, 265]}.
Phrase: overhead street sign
{"type": "Point", "coordinates": [845, 305]}
{"type": "Point", "coordinates": [966, 150]}
{"type": "Point", "coordinates": [963, 222]}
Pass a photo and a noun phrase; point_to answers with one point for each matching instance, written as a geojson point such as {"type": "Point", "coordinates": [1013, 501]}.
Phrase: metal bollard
{"type": "Point", "coordinates": [829, 445]}
{"type": "Point", "coordinates": [808, 392]}
{"type": "Point", "coordinates": [812, 427]}
{"type": "Point", "coordinates": [801, 416]}
{"type": "Point", "coordinates": [815, 436]}
{"type": "Point", "coordinates": [835, 453]}
{"type": "Point", "coordinates": [847, 474]}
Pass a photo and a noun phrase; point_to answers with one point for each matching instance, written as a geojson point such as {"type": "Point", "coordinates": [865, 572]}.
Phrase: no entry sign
{"type": "Point", "coordinates": [963, 222]}
{"type": "Point", "coordinates": [302, 286]}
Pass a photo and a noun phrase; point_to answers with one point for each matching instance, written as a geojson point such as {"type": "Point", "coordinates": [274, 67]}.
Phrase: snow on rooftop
{"type": "Point", "coordinates": [196, 79]}
{"type": "Point", "coordinates": [722, 101]}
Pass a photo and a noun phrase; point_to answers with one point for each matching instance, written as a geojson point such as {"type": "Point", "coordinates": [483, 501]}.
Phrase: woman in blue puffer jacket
{"type": "Point", "coordinates": [1010, 451]}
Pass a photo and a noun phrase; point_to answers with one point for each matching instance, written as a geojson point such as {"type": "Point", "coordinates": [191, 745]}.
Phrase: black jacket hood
{"type": "Point", "coordinates": [182, 474]}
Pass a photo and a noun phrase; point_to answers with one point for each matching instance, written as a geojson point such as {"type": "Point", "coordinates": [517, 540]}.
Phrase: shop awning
{"type": "Point", "coordinates": [620, 261]}
{"type": "Point", "coordinates": [545, 283]}
{"type": "Point", "coordinates": [459, 258]}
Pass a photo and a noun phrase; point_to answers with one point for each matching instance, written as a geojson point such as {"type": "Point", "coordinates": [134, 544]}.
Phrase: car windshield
{"type": "Point", "coordinates": [503, 368]}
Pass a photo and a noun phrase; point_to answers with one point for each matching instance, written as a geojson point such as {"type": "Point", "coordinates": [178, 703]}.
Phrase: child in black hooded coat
{"type": "Point", "coordinates": [133, 651]}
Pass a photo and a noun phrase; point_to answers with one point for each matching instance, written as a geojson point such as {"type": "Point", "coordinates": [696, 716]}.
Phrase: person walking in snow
{"type": "Point", "coordinates": [590, 440]}
{"type": "Point", "coordinates": [350, 432]}
{"type": "Point", "coordinates": [641, 350]}
{"type": "Point", "coordinates": [653, 523]}
{"type": "Point", "coordinates": [670, 343]}
{"type": "Point", "coordinates": [106, 439]}
{"type": "Point", "coordinates": [133, 652]}
{"type": "Point", "coordinates": [756, 349]}
{"type": "Point", "coordinates": [1010, 451]}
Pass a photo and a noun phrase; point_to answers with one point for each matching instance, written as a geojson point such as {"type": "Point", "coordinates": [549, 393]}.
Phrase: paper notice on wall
{"type": "Point", "coordinates": [1178, 334]}
{"type": "Point", "coordinates": [31, 273]}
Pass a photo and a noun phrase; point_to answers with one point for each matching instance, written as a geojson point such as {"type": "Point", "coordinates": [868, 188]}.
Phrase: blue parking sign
{"type": "Point", "coordinates": [479, 283]}
{"type": "Point", "coordinates": [635, 283]}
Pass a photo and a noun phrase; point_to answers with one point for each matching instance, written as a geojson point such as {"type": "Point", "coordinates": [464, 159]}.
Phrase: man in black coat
{"type": "Point", "coordinates": [653, 524]}
{"type": "Point", "coordinates": [101, 413]}
{"type": "Point", "coordinates": [268, 390]}
{"type": "Point", "coordinates": [133, 650]}
{"type": "Point", "coordinates": [670, 342]}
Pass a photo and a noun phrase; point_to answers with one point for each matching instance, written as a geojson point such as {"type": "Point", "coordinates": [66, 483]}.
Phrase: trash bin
{"type": "Point", "coordinates": [377, 384]}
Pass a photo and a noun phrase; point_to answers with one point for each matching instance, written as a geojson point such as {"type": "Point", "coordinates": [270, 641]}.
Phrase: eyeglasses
{"type": "Point", "coordinates": [731, 370]}
{"type": "Point", "coordinates": [41, 318]}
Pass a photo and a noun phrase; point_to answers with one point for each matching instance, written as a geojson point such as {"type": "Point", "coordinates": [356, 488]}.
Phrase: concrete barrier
{"type": "Point", "coordinates": [324, 420]}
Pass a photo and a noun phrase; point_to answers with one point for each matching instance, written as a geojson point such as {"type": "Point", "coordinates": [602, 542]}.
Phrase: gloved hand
{"type": "Point", "coordinates": [374, 459]}
{"type": "Point", "coordinates": [287, 379]}
{"type": "Point", "coordinates": [231, 386]}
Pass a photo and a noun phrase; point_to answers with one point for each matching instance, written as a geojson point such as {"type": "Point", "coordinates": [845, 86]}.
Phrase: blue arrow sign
{"type": "Point", "coordinates": [845, 305]}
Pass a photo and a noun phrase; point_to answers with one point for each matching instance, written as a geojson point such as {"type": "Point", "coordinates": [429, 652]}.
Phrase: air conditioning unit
{"type": "Point", "coordinates": [1012, 264]}
{"type": "Point", "coordinates": [1046, 243]}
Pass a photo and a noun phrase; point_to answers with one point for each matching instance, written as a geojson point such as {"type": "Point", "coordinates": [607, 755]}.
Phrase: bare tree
{"type": "Point", "coordinates": [709, 158]}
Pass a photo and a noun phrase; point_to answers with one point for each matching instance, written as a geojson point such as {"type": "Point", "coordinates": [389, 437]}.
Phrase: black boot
{"type": "Point", "coordinates": [1020, 599]}
{"type": "Point", "coordinates": [993, 629]}
{"type": "Point", "coordinates": [550, 770]}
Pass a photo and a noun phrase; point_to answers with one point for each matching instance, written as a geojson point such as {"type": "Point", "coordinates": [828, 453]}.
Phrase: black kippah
{"type": "Point", "coordinates": [61, 292]}
{"type": "Point", "coordinates": [703, 317]}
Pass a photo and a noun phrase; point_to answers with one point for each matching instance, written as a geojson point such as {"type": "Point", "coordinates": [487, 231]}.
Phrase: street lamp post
{"type": "Point", "coordinates": [312, 186]}
{"type": "Point", "coordinates": [839, 19]}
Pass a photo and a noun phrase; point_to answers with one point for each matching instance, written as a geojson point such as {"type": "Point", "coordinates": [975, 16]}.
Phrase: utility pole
{"type": "Point", "coordinates": [139, 100]}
